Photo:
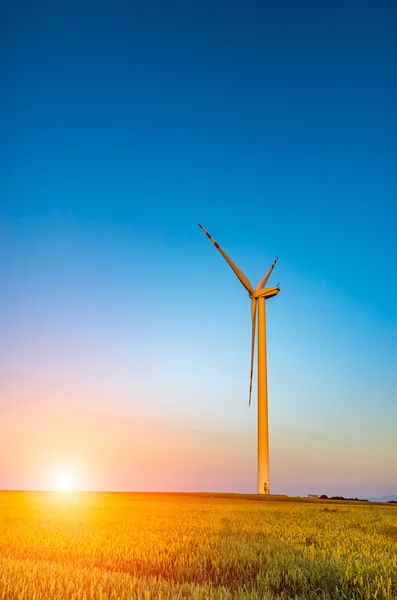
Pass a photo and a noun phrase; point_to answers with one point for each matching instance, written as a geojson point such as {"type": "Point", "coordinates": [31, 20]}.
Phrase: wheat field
{"type": "Point", "coordinates": [143, 546]}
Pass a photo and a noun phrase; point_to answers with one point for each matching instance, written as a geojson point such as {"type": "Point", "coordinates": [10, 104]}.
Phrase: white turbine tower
{"type": "Point", "coordinates": [258, 297]}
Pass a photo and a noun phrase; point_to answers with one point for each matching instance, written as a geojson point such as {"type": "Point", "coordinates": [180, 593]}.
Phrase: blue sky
{"type": "Point", "coordinates": [275, 127]}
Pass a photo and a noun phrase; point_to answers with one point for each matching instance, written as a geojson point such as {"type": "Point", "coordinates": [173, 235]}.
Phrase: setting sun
{"type": "Point", "coordinates": [66, 482]}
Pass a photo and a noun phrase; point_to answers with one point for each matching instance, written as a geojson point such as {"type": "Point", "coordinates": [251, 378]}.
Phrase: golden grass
{"type": "Point", "coordinates": [129, 546]}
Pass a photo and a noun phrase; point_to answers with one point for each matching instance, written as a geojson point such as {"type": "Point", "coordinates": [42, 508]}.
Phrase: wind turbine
{"type": "Point", "coordinates": [258, 297]}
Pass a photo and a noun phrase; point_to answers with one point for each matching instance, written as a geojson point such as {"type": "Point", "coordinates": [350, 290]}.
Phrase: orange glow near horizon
{"type": "Point", "coordinates": [70, 440]}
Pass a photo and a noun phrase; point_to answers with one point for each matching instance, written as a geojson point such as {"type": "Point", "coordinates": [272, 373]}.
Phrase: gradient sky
{"type": "Point", "coordinates": [125, 337]}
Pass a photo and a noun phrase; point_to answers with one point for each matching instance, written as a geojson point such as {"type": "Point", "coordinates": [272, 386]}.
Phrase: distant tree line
{"type": "Point", "coordinates": [325, 497]}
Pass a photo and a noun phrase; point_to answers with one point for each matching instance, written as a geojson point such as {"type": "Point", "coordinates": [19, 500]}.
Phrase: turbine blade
{"type": "Point", "coordinates": [253, 313]}
{"type": "Point", "coordinates": [264, 279]}
{"type": "Point", "coordinates": [244, 280]}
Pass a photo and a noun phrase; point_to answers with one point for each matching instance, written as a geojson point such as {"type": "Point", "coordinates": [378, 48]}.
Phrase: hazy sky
{"type": "Point", "coordinates": [125, 337]}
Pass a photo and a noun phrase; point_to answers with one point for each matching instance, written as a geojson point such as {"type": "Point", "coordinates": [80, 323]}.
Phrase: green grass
{"type": "Point", "coordinates": [127, 546]}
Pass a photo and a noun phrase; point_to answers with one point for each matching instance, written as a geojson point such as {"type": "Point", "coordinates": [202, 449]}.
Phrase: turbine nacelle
{"type": "Point", "coordinates": [265, 293]}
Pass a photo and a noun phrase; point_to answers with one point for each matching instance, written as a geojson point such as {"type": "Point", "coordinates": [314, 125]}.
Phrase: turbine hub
{"type": "Point", "coordinates": [265, 293]}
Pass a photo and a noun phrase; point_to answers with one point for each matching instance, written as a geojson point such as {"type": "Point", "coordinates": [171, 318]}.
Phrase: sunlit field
{"type": "Point", "coordinates": [124, 546]}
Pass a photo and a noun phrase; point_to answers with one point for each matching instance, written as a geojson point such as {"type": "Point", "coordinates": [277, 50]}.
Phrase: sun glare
{"type": "Point", "coordinates": [66, 482]}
